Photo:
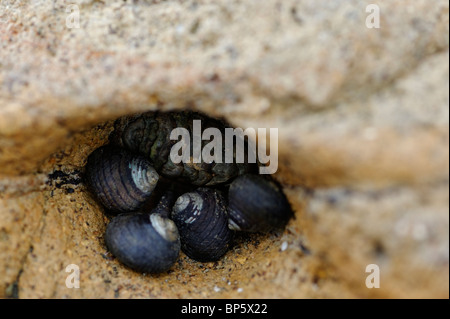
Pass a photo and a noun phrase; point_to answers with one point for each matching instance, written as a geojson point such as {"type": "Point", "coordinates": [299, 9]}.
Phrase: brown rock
{"type": "Point", "coordinates": [363, 120]}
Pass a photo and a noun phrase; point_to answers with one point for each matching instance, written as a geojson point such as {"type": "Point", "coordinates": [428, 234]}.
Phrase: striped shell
{"type": "Point", "coordinates": [121, 181]}
{"type": "Point", "coordinates": [149, 134]}
{"type": "Point", "coordinates": [202, 221]}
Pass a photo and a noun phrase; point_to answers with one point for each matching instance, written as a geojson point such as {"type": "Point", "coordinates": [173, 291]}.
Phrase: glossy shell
{"type": "Point", "coordinates": [121, 181]}
{"type": "Point", "coordinates": [149, 134]}
{"type": "Point", "coordinates": [144, 242]}
{"type": "Point", "coordinates": [202, 221]}
{"type": "Point", "coordinates": [257, 204]}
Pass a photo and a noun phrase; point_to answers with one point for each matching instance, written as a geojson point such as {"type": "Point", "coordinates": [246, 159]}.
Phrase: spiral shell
{"type": "Point", "coordinates": [257, 204]}
{"type": "Point", "coordinates": [121, 181]}
{"type": "Point", "coordinates": [202, 221]}
{"type": "Point", "coordinates": [149, 134]}
{"type": "Point", "coordinates": [144, 242]}
{"type": "Point", "coordinates": [124, 174]}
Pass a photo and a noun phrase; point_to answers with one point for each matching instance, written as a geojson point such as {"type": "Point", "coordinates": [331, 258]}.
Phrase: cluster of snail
{"type": "Point", "coordinates": [201, 206]}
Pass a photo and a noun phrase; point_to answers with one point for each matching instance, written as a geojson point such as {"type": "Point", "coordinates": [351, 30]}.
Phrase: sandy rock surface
{"type": "Point", "coordinates": [363, 146]}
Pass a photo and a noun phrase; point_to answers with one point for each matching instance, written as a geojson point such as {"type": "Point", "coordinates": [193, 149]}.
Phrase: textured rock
{"type": "Point", "coordinates": [363, 119]}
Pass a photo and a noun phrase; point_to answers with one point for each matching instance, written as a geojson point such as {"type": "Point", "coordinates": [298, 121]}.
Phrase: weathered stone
{"type": "Point", "coordinates": [363, 120]}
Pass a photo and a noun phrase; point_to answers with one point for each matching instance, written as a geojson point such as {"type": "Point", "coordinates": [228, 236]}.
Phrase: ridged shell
{"type": "Point", "coordinates": [149, 134]}
{"type": "Point", "coordinates": [120, 180]}
{"type": "Point", "coordinates": [202, 221]}
{"type": "Point", "coordinates": [257, 204]}
{"type": "Point", "coordinates": [144, 242]}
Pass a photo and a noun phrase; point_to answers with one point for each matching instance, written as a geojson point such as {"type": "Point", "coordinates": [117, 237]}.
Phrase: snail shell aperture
{"type": "Point", "coordinates": [257, 204]}
{"type": "Point", "coordinates": [120, 180]}
{"type": "Point", "coordinates": [202, 221]}
{"type": "Point", "coordinates": [147, 243]}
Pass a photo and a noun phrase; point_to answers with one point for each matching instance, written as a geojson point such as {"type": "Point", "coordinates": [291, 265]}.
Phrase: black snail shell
{"type": "Point", "coordinates": [147, 243]}
{"type": "Point", "coordinates": [124, 174]}
{"type": "Point", "coordinates": [202, 221]}
{"type": "Point", "coordinates": [149, 134]}
{"type": "Point", "coordinates": [257, 204]}
{"type": "Point", "coordinates": [120, 180]}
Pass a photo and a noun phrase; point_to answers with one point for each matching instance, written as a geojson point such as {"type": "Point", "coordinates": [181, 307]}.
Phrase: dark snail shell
{"type": "Point", "coordinates": [202, 221]}
{"type": "Point", "coordinates": [149, 134]}
{"type": "Point", "coordinates": [257, 204]}
{"type": "Point", "coordinates": [121, 181]}
{"type": "Point", "coordinates": [144, 242]}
